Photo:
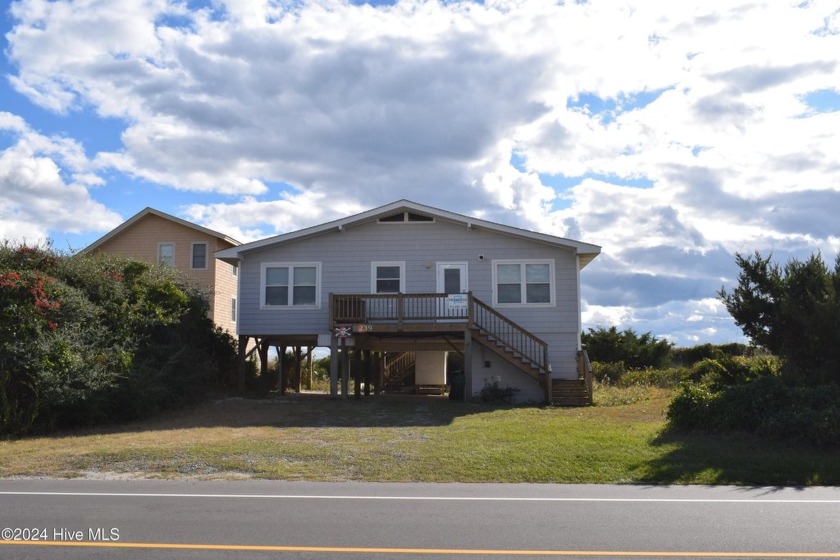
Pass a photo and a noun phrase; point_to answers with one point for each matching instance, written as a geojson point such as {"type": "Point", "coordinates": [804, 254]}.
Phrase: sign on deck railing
{"type": "Point", "coordinates": [457, 303]}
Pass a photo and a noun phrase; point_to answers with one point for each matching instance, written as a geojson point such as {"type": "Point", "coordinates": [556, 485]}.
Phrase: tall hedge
{"type": "Point", "coordinates": [88, 339]}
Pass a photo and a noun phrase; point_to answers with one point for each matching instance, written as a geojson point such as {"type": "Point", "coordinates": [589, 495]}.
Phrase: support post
{"type": "Point", "coordinates": [281, 373]}
{"type": "Point", "coordinates": [380, 387]}
{"type": "Point", "coordinates": [357, 375]}
{"type": "Point", "coordinates": [263, 353]}
{"type": "Point", "coordinates": [298, 368]}
{"type": "Point", "coordinates": [334, 367]}
{"type": "Point", "coordinates": [309, 351]}
{"type": "Point", "coordinates": [468, 369]}
{"type": "Point", "coordinates": [345, 371]}
{"type": "Point", "coordinates": [367, 368]}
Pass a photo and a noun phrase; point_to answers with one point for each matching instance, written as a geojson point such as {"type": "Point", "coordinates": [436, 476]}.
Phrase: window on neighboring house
{"type": "Point", "coordinates": [387, 277]}
{"type": "Point", "coordinates": [523, 282]}
{"type": "Point", "coordinates": [234, 270]}
{"type": "Point", "coordinates": [199, 256]}
{"type": "Point", "coordinates": [233, 309]}
{"type": "Point", "coordinates": [166, 254]}
{"type": "Point", "coordinates": [291, 284]}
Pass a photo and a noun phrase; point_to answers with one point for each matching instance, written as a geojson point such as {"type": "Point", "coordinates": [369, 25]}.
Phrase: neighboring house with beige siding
{"type": "Point", "coordinates": [154, 236]}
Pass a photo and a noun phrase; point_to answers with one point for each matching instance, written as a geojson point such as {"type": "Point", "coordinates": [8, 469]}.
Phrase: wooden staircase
{"type": "Point", "coordinates": [397, 369]}
{"type": "Point", "coordinates": [569, 392]}
{"type": "Point", "coordinates": [530, 354]}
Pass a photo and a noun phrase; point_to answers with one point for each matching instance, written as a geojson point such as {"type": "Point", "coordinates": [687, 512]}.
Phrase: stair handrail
{"type": "Point", "coordinates": [585, 371]}
{"type": "Point", "coordinates": [399, 364]}
{"type": "Point", "coordinates": [496, 326]}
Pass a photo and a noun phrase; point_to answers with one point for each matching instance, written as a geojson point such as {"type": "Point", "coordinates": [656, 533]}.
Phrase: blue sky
{"type": "Point", "coordinates": [672, 135]}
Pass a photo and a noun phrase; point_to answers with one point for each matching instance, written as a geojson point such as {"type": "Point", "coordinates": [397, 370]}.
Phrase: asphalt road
{"type": "Point", "coordinates": [264, 519]}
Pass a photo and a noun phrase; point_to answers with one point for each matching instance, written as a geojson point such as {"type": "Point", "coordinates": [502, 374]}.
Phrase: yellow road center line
{"type": "Point", "coordinates": [455, 551]}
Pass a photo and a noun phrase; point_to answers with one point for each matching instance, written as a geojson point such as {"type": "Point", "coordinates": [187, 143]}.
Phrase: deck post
{"type": "Point", "coordinates": [333, 367]}
{"type": "Point", "coordinates": [263, 354]}
{"type": "Point", "coordinates": [380, 387]}
{"type": "Point", "coordinates": [345, 371]}
{"type": "Point", "coordinates": [468, 370]}
{"type": "Point", "coordinates": [309, 351]}
{"type": "Point", "coordinates": [368, 376]}
{"type": "Point", "coordinates": [357, 374]}
{"type": "Point", "coordinates": [298, 367]}
{"type": "Point", "coordinates": [281, 374]}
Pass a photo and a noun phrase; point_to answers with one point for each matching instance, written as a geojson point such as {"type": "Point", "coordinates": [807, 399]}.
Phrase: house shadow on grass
{"type": "Point", "coordinates": [737, 459]}
{"type": "Point", "coordinates": [306, 410]}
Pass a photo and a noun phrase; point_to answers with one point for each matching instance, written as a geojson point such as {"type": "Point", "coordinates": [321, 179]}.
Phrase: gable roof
{"type": "Point", "coordinates": [586, 251]}
{"type": "Point", "coordinates": [152, 212]}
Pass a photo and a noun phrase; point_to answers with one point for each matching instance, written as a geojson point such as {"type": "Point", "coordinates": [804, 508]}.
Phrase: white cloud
{"type": "Point", "coordinates": [43, 186]}
{"type": "Point", "coordinates": [348, 107]}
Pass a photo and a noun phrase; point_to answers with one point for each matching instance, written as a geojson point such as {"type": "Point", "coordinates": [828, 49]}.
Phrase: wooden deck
{"type": "Point", "coordinates": [440, 313]}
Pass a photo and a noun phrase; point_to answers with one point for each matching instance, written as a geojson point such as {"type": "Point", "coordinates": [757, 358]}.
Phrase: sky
{"type": "Point", "coordinates": [672, 134]}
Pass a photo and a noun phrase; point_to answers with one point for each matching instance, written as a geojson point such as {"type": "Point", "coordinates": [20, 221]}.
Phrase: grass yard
{"type": "Point", "coordinates": [620, 440]}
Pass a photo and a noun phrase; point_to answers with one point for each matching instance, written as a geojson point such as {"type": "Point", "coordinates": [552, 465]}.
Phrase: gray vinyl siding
{"type": "Point", "coordinates": [346, 258]}
{"type": "Point", "coordinates": [506, 374]}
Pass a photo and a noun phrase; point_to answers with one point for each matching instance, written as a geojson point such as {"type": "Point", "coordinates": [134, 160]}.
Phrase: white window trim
{"type": "Point", "coordinates": [206, 255]}
{"type": "Point", "coordinates": [163, 243]}
{"type": "Point", "coordinates": [234, 310]}
{"type": "Point", "coordinates": [522, 262]}
{"type": "Point", "coordinates": [376, 264]}
{"type": "Point", "coordinates": [265, 266]}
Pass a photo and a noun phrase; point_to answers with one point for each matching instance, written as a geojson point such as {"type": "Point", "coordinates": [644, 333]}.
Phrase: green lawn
{"type": "Point", "coordinates": [622, 440]}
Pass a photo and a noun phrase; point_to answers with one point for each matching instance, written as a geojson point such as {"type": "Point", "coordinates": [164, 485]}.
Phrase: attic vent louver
{"type": "Point", "coordinates": [405, 217]}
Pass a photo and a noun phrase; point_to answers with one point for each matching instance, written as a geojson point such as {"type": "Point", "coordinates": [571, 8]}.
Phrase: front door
{"type": "Point", "coordinates": [452, 279]}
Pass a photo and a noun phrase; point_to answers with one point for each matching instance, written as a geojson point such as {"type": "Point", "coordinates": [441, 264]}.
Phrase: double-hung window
{"type": "Point", "coordinates": [387, 277]}
{"type": "Point", "coordinates": [527, 282]}
{"type": "Point", "coordinates": [289, 285]}
{"type": "Point", "coordinates": [198, 260]}
{"type": "Point", "coordinates": [166, 254]}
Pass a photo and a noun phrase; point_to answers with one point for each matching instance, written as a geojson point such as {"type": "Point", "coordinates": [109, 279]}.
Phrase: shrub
{"type": "Point", "coordinates": [689, 356]}
{"type": "Point", "coordinates": [635, 350]}
{"type": "Point", "coordinates": [766, 407]}
{"type": "Point", "coordinates": [493, 393]}
{"type": "Point", "coordinates": [735, 370]}
{"type": "Point", "coordinates": [607, 372]}
{"type": "Point", "coordinates": [87, 339]}
{"type": "Point", "coordinates": [664, 378]}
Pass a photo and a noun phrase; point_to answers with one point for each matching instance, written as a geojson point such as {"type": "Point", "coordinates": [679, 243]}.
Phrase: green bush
{"type": "Point", "coordinates": [689, 356]}
{"type": "Point", "coordinates": [493, 393]}
{"type": "Point", "coordinates": [766, 407]}
{"type": "Point", "coordinates": [664, 378]}
{"type": "Point", "coordinates": [615, 374]}
{"type": "Point", "coordinates": [634, 350]}
{"type": "Point", "coordinates": [607, 372]}
{"type": "Point", "coordinates": [87, 339]}
{"type": "Point", "coordinates": [735, 370]}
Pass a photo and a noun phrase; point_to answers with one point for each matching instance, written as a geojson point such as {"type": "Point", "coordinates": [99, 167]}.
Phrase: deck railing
{"type": "Point", "coordinates": [585, 371]}
{"type": "Point", "coordinates": [403, 310]}
{"type": "Point", "coordinates": [394, 308]}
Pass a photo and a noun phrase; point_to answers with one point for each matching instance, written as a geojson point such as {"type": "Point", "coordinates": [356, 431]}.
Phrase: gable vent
{"type": "Point", "coordinates": [404, 218]}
